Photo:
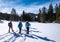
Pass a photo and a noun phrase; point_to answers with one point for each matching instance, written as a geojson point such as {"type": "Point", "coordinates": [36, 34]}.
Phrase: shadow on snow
{"type": "Point", "coordinates": [5, 35]}
{"type": "Point", "coordinates": [33, 36]}
{"type": "Point", "coordinates": [13, 38]}
{"type": "Point", "coordinates": [1, 21]}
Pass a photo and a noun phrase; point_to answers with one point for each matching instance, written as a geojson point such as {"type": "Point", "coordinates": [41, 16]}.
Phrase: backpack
{"type": "Point", "coordinates": [9, 24]}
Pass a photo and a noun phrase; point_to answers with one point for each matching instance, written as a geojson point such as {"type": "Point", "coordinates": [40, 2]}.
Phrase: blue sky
{"type": "Point", "coordinates": [27, 5]}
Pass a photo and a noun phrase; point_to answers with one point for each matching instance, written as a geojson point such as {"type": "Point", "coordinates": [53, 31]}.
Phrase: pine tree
{"type": "Point", "coordinates": [50, 12]}
{"type": "Point", "coordinates": [23, 15]}
{"type": "Point", "coordinates": [42, 15]}
{"type": "Point", "coordinates": [13, 11]}
{"type": "Point", "coordinates": [39, 15]}
{"type": "Point", "coordinates": [58, 13]}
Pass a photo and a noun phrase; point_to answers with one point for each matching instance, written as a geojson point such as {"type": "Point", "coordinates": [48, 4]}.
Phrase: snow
{"type": "Point", "coordinates": [39, 32]}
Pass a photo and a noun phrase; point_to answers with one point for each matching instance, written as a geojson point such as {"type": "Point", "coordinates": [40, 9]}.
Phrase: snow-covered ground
{"type": "Point", "coordinates": [39, 32]}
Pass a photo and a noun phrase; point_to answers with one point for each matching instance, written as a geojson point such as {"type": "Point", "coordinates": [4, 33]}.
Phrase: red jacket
{"type": "Point", "coordinates": [11, 24]}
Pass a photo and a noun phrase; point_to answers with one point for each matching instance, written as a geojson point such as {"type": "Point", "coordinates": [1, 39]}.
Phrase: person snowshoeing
{"type": "Point", "coordinates": [20, 26]}
{"type": "Point", "coordinates": [10, 26]}
{"type": "Point", "coordinates": [27, 24]}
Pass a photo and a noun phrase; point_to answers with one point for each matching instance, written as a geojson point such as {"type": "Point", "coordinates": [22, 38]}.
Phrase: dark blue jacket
{"type": "Point", "coordinates": [27, 24]}
{"type": "Point", "coordinates": [20, 25]}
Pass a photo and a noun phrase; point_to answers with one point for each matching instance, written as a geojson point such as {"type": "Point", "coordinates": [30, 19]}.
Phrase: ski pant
{"type": "Point", "coordinates": [19, 30]}
{"type": "Point", "coordinates": [27, 30]}
{"type": "Point", "coordinates": [11, 29]}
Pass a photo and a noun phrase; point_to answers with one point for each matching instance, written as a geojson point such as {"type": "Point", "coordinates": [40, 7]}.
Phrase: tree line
{"type": "Point", "coordinates": [45, 15]}
{"type": "Point", "coordinates": [51, 15]}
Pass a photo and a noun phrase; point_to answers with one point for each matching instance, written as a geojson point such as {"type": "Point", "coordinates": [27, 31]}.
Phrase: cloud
{"type": "Point", "coordinates": [7, 5]}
